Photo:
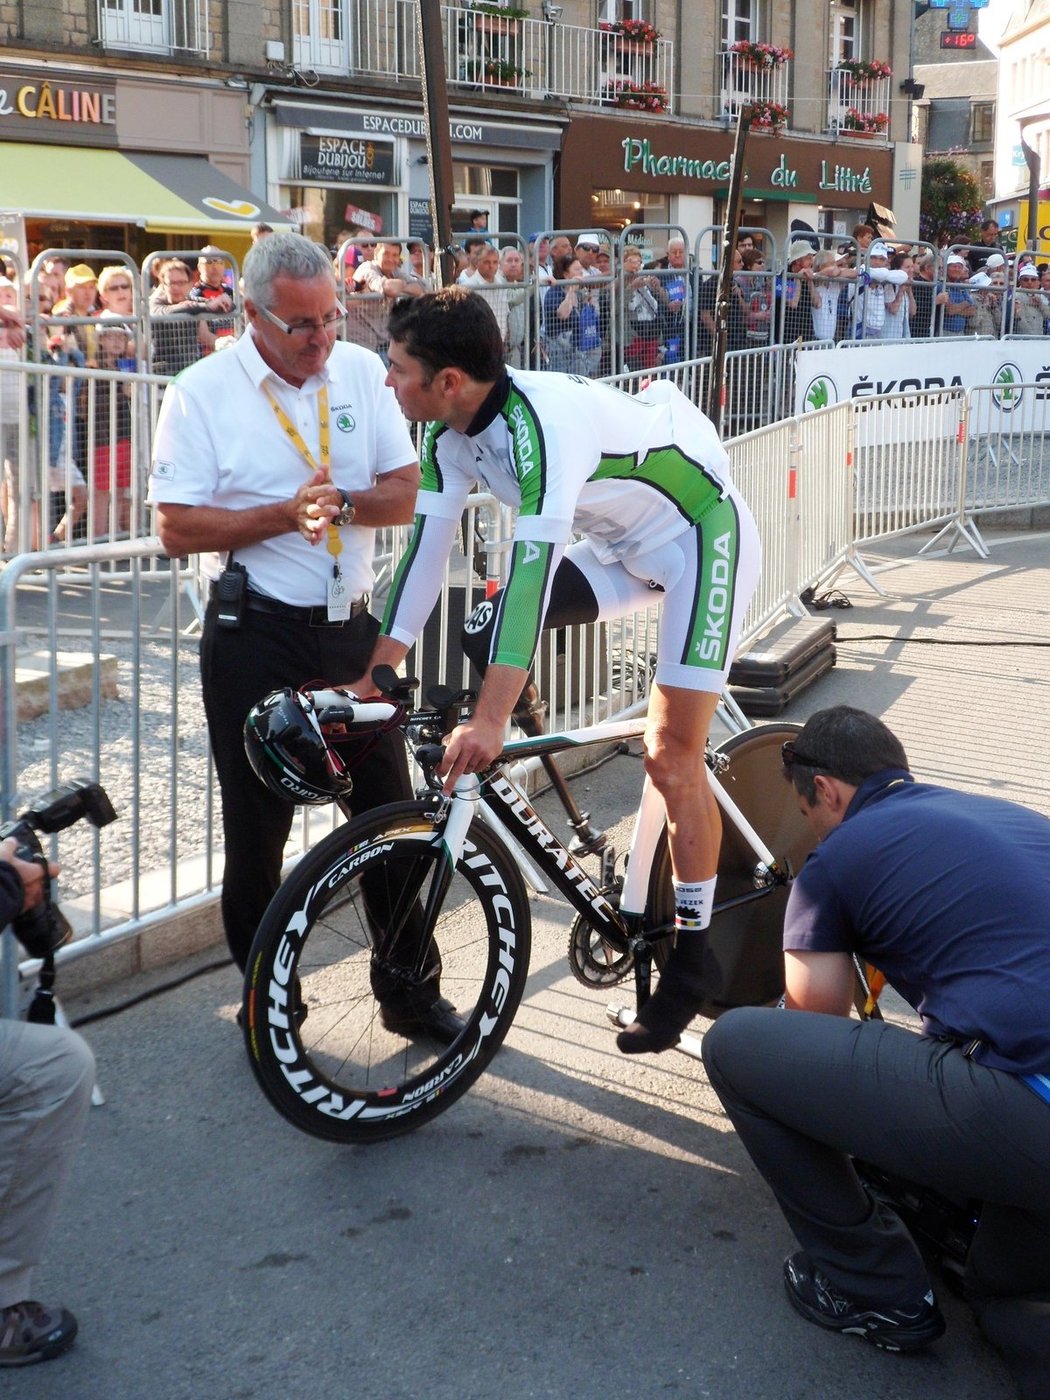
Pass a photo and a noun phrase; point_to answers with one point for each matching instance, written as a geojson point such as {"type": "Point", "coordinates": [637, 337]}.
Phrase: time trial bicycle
{"type": "Point", "coordinates": [444, 871]}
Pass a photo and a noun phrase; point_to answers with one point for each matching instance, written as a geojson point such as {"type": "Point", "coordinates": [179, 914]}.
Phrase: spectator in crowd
{"type": "Point", "coordinates": [521, 332]}
{"type": "Point", "coordinates": [473, 247]}
{"type": "Point", "coordinates": [488, 281]}
{"type": "Point", "coordinates": [900, 300]}
{"type": "Point", "coordinates": [793, 291]}
{"type": "Point", "coordinates": [756, 285]}
{"type": "Point", "coordinates": [539, 252]}
{"type": "Point", "coordinates": [12, 346]}
{"type": "Point", "coordinates": [643, 302]}
{"type": "Point", "coordinates": [603, 262]}
{"type": "Point", "coordinates": [1031, 307]}
{"type": "Point", "coordinates": [959, 309]}
{"type": "Point", "coordinates": [571, 333]}
{"type": "Point", "coordinates": [479, 220]}
{"type": "Point", "coordinates": [826, 294]}
{"type": "Point", "coordinates": [863, 236]}
{"type": "Point", "coordinates": [745, 241]}
{"type": "Point", "coordinates": [79, 304]}
{"type": "Point", "coordinates": [987, 306]}
{"type": "Point", "coordinates": [676, 313]}
{"type": "Point", "coordinates": [736, 322]}
{"type": "Point", "coordinates": [116, 292]}
{"type": "Point", "coordinates": [214, 287]}
{"type": "Point", "coordinates": [560, 247]}
{"type": "Point", "coordinates": [928, 297]}
{"type": "Point", "coordinates": [107, 408]}
{"type": "Point", "coordinates": [50, 287]}
{"type": "Point", "coordinates": [586, 252]}
{"type": "Point", "coordinates": [260, 231]}
{"type": "Point", "coordinates": [46, 1078]}
{"type": "Point", "coordinates": [416, 269]}
{"type": "Point", "coordinates": [177, 326]}
{"type": "Point", "coordinates": [977, 256]}
{"type": "Point", "coordinates": [376, 284]}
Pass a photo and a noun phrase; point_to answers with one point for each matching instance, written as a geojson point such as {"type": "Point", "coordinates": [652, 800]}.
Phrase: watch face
{"type": "Point", "coordinates": [349, 510]}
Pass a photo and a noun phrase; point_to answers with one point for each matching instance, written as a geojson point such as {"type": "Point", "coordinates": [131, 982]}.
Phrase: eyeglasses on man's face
{"type": "Point", "coordinates": [119, 287]}
{"type": "Point", "coordinates": [331, 322]}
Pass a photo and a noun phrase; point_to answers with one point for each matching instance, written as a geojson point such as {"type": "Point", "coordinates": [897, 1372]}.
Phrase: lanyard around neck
{"type": "Point", "coordinates": [334, 539]}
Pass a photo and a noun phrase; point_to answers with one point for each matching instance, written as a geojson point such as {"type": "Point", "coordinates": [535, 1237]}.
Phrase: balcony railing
{"type": "Point", "coordinates": [744, 82]}
{"type": "Point", "coordinates": [865, 102]}
{"type": "Point", "coordinates": [162, 26]}
{"type": "Point", "coordinates": [499, 54]}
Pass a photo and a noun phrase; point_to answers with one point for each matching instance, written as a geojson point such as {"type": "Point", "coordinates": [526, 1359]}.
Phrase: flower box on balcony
{"type": "Point", "coordinates": [497, 19]}
{"type": "Point", "coordinates": [638, 97]}
{"type": "Point", "coordinates": [768, 117]}
{"type": "Point", "coordinates": [631, 35]}
{"type": "Point", "coordinates": [761, 55]}
{"type": "Point", "coordinates": [864, 124]}
{"type": "Point", "coordinates": [861, 71]}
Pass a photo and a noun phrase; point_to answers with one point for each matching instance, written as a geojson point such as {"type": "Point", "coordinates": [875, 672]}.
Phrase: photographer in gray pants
{"type": "Point", "coordinates": [46, 1076]}
{"type": "Point", "coordinates": [948, 895]}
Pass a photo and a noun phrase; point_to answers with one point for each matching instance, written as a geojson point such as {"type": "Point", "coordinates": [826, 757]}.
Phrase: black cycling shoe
{"type": "Point", "coordinates": [678, 997]}
{"type": "Point", "coordinates": [438, 1021]}
{"type": "Point", "coordinates": [891, 1329]}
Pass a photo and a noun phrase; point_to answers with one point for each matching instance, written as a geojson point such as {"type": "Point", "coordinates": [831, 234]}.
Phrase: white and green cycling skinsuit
{"type": "Point", "coordinates": [645, 482]}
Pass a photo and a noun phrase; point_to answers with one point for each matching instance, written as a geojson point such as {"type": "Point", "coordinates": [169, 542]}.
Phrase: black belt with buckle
{"type": "Point", "coordinates": [306, 617]}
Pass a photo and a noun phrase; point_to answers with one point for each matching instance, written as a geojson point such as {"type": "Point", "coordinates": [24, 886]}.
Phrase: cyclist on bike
{"type": "Point", "coordinates": [645, 481]}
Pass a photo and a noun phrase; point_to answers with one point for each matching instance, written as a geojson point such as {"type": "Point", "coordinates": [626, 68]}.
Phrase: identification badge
{"type": "Point", "coordinates": [338, 599]}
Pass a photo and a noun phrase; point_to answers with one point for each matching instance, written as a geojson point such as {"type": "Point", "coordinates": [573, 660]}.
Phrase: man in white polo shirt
{"type": "Point", "coordinates": [283, 455]}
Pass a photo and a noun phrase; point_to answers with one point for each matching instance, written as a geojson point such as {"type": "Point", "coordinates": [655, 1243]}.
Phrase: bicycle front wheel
{"type": "Point", "coordinates": [356, 905]}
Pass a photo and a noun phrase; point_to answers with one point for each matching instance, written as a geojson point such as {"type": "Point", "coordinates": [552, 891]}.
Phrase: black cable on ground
{"type": "Point", "coordinates": [148, 995]}
{"type": "Point", "coordinates": [936, 641]}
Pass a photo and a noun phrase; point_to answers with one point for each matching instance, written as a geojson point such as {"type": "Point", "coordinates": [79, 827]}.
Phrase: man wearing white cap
{"type": "Point", "coordinates": [1031, 307]}
{"type": "Point", "coordinates": [959, 310]}
{"type": "Point", "coordinates": [795, 289]}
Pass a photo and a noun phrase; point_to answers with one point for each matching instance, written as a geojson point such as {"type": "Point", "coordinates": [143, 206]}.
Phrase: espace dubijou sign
{"type": "Point", "coordinates": [346, 160]}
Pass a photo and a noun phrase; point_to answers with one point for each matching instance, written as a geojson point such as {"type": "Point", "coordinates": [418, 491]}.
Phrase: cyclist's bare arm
{"type": "Point", "coordinates": [474, 745]}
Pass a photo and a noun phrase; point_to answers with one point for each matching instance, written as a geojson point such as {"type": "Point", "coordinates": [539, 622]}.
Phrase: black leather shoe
{"type": "Point", "coordinates": [438, 1021]}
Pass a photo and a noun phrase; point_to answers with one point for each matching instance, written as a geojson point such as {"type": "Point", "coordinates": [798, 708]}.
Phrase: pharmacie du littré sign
{"type": "Point", "coordinates": [639, 158]}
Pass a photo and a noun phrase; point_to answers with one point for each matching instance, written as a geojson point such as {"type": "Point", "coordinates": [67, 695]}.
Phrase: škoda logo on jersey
{"type": "Point", "coordinates": [526, 447]}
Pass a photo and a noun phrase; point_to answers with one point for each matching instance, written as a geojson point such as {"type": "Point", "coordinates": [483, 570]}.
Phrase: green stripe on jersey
{"type": "Point", "coordinates": [678, 477]}
{"type": "Point", "coordinates": [527, 451]}
{"type": "Point", "coordinates": [520, 616]}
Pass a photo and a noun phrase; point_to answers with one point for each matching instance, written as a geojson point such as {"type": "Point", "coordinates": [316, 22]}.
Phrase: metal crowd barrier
{"type": "Point", "coordinates": [118, 621]}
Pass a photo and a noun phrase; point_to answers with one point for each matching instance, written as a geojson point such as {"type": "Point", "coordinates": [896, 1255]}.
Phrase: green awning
{"type": "Point", "coordinates": [155, 191]}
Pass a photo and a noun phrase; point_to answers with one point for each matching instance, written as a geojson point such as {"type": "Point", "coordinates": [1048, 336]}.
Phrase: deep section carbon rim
{"type": "Point", "coordinates": [315, 1036]}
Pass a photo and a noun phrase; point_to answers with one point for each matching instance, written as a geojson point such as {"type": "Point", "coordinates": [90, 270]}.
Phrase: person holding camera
{"type": "Point", "coordinates": [46, 1077]}
{"type": "Point", "coordinates": [317, 458]}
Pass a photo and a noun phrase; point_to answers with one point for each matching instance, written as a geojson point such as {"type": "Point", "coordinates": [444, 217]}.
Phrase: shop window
{"type": "Point", "coordinates": [493, 189]}
{"type": "Point", "coordinates": [323, 213]}
{"type": "Point", "coordinates": [320, 35]}
{"type": "Point", "coordinates": [166, 25]}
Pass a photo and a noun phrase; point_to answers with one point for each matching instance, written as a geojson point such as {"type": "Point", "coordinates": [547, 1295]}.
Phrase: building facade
{"type": "Point", "coordinates": [587, 113]}
{"type": "Point", "coordinates": [1024, 103]}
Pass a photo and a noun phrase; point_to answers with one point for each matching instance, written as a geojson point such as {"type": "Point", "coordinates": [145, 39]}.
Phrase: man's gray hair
{"type": "Point", "coordinates": [282, 255]}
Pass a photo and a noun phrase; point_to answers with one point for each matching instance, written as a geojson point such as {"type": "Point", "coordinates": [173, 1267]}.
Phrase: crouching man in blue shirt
{"type": "Point", "coordinates": [948, 895]}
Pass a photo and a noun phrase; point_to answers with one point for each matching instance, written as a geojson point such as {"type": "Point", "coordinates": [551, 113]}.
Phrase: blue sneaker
{"type": "Point", "coordinates": [892, 1329]}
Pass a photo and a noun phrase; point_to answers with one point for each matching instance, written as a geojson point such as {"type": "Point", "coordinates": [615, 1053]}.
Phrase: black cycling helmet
{"type": "Point", "coordinates": [285, 746]}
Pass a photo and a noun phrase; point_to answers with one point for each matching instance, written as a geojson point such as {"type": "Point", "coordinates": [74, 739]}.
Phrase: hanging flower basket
{"type": "Point", "coordinates": [864, 70]}
{"type": "Point", "coordinates": [497, 19]}
{"type": "Point", "coordinates": [638, 97]}
{"type": "Point", "coordinates": [864, 123]}
{"type": "Point", "coordinates": [761, 55]}
{"type": "Point", "coordinates": [497, 70]}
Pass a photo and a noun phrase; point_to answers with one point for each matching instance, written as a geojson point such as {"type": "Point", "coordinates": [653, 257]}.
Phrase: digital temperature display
{"type": "Point", "coordinates": [952, 40]}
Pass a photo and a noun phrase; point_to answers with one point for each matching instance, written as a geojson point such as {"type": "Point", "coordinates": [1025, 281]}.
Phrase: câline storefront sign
{"type": "Point", "coordinates": [45, 106]}
{"type": "Point", "coordinates": [669, 158]}
{"type": "Point", "coordinates": [346, 160]}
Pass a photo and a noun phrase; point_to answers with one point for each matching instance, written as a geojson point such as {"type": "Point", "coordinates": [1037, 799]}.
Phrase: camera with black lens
{"type": "Point", "coordinates": [44, 928]}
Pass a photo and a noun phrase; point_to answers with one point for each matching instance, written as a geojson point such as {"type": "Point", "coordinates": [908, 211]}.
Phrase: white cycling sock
{"type": "Point", "coordinates": [693, 904]}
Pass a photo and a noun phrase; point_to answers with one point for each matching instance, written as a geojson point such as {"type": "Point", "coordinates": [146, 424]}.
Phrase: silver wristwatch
{"type": "Point", "coordinates": [349, 510]}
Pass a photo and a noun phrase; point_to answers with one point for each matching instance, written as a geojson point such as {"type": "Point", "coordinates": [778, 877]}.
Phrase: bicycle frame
{"type": "Point", "coordinates": [511, 809]}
